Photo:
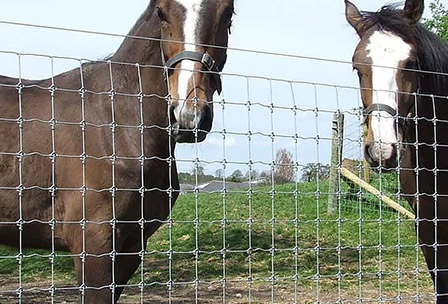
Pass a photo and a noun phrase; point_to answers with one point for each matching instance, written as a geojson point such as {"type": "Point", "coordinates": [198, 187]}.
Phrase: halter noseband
{"type": "Point", "coordinates": [380, 107]}
{"type": "Point", "coordinates": [205, 58]}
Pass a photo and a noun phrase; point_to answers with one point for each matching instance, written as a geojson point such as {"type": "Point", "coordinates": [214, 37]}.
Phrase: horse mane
{"type": "Point", "coordinates": [432, 54]}
{"type": "Point", "coordinates": [144, 18]}
{"type": "Point", "coordinates": [388, 18]}
{"type": "Point", "coordinates": [432, 51]}
{"type": "Point", "coordinates": [143, 31]}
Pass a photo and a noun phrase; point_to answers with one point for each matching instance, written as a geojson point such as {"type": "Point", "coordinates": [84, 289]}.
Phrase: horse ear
{"type": "Point", "coordinates": [413, 10]}
{"type": "Point", "coordinates": [354, 17]}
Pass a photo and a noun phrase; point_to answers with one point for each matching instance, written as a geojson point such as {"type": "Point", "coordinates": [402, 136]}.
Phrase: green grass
{"type": "Point", "coordinates": [35, 266]}
{"type": "Point", "coordinates": [345, 243]}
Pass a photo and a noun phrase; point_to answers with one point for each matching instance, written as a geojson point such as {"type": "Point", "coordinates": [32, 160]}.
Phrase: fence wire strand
{"type": "Point", "coordinates": [254, 240]}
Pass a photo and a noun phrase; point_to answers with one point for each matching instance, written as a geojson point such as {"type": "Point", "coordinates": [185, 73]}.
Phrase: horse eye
{"type": "Point", "coordinates": [161, 14]}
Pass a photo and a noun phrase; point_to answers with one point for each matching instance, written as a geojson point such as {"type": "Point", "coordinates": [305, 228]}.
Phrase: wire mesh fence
{"type": "Point", "coordinates": [353, 160]}
{"type": "Point", "coordinates": [260, 235]}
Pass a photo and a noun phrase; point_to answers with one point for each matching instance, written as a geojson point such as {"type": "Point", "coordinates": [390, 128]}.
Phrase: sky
{"type": "Point", "coordinates": [317, 77]}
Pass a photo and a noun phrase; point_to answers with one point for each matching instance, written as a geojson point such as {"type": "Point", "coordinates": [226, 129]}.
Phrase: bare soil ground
{"type": "Point", "coordinates": [235, 293]}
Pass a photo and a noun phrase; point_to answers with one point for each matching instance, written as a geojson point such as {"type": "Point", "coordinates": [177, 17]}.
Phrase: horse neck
{"type": "Point", "coordinates": [128, 76]}
{"type": "Point", "coordinates": [142, 49]}
{"type": "Point", "coordinates": [433, 90]}
{"type": "Point", "coordinates": [432, 53]}
{"type": "Point", "coordinates": [432, 103]}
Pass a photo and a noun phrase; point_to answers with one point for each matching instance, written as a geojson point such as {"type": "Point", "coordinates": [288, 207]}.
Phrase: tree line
{"type": "Point", "coordinates": [438, 22]}
{"type": "Point", "coordinates": [283, 170]}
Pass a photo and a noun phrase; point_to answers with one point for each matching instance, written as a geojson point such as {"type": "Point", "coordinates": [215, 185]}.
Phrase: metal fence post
{"type": "Point", "coordinates": [336, 161]}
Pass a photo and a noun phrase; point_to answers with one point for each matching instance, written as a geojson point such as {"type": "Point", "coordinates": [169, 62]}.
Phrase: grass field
{"type": "Point", "coordinates": [278, 238]}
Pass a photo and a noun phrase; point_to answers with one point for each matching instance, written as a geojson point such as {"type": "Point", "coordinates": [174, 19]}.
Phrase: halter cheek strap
{"type": "Point", "coordinates": [205, 58]}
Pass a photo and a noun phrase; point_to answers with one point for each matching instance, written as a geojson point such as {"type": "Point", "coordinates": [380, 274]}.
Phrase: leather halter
{"type": "Point", "coordinates": [205, 58]}
{"type": "Point", "coordinates": [388, 109]}
{"type": "Point", "coordinates": [380, 107]}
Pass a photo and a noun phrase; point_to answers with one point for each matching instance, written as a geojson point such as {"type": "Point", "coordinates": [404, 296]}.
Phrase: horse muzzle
{"type": "Point", "coordinates": [192, 125]}
{"type": "Point", "coordinates": [381, 157]}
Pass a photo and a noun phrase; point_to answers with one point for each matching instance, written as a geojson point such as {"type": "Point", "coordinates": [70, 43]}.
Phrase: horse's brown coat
{"type": "Point", "coordinates": [108, 189]}
{"type": "Point", "coordinates": [424, 166]}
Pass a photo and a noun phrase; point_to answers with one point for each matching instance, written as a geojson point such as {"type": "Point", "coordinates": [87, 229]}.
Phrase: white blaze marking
{"type": "Point", "coordinates": [386, 51]}
{"type": "Point", "coordinates": [193, 8]}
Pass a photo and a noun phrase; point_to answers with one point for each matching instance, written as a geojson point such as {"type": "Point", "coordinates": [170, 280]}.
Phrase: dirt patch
{"type": "Point", "coordinates": [231, 292]}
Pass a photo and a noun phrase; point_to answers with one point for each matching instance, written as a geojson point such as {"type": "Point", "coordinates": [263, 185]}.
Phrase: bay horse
{"type": "Point", "coordinates": [87, 157]}
{"type": "Point", "coordinates": [404, 87]}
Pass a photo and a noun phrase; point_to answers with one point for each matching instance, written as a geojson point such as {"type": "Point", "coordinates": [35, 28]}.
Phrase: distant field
{"type": "Point", "coordinates": [283, 240]}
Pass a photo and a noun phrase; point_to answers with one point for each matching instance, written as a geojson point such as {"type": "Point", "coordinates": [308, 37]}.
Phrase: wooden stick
{"type": "Point", "coordinates": [355, 179]}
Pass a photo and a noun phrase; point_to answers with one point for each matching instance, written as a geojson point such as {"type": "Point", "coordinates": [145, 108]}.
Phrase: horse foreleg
{"type": "Point", "coordinates": [126, 265]}
{"type": "Point", "coordinates": [95, 279]}
{"type": "Point", "coordinates": [132, 250]}
{"type": "Point", "coordinates": [105, 274]}
{"type": "Point", "coordinates": [93, 262]}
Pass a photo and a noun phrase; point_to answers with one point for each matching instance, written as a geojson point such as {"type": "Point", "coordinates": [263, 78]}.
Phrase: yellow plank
{"type": "Point", "coordinates": [352, 177]}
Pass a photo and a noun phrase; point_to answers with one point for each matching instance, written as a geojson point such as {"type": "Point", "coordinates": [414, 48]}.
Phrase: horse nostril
{"type": "Point", "coordinates": [392, 162]}
{"type": "Point", "coordinates": [205, 123]}
{"type": "Point", "coordinates": [171, 115]}
{"type": "Point", "coordinates": [368, 152]}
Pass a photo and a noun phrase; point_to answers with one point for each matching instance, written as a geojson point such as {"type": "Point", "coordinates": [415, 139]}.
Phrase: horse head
{"type": "Point", "coordinates": [386, 62]}
{"type": "Point", "coordinates": [194, 38]}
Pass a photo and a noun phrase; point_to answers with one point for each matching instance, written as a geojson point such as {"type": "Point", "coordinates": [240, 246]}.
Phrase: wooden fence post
{"type": "Point", "coordinates": [336, 162]}
{"type": "Point", "coordinates": [366, 165]}
{"type": "Point", "coordinates": [366, 174]}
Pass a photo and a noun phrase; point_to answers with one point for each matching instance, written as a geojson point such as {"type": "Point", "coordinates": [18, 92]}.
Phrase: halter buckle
{"type": "Point", "coordinates": [208, 61]}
